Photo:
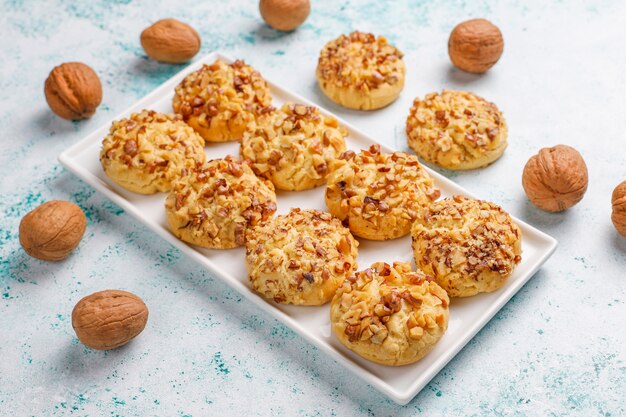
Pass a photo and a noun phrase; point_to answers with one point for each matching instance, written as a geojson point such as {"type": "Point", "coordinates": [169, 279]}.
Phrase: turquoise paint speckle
{"type": "Point", "coordinates": [219, 364]}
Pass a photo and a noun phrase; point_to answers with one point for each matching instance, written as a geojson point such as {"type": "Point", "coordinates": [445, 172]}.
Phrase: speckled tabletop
{"type": "Point", "coordinates": [557, 348]}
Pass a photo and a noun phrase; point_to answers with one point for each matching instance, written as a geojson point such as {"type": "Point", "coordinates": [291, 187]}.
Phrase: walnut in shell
{"type": "Point", "coordinates": [284, 15]}
{"type": "Point", "coordinates": [170, 40]}
{"type": "Point", "coordinates": [52, 230]}
{"type": "Point", "coordinates": [556, 178]}
{"type": "Point", "coordinates": [619, 208]}
{"type": "Point", "coordinates": [475, 45]}
{"type": "Point", "coordinates": [109, 319]}
{"type": "Point", "coordinates": [73, 91]}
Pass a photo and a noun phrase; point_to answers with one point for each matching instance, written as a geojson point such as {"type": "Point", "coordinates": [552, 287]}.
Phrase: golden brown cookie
{"type": "Point", "coordinates": [301, 257]}
{"type": "Point", "coordinates": [389, 314]}
{"type": "Point", "coordinates": [361, 71]}
{"type": "Point", "coordinates": [220, 99]}
{"type": "Point", "coordinates": [145, 152]}
{"type": "Point", "coordinates": [456, 130]}
{"type": "Point", "coordinates": [378, 195]}
{"type": "Point", "coordinates": [469, 246]}
{"type": "Point", "coordinates": [293, 146]}
{"type": "Point", "coordinates": [213, 204]}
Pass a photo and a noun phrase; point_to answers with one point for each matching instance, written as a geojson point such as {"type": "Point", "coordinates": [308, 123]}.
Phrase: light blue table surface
{"type": "Point", "coordinates": [557, 348]}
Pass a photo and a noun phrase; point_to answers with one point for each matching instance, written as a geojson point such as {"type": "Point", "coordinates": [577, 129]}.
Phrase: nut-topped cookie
{"type": "Point", "coordinates": [220, 99]}
{"type": "Point", "coordinates": [301, 257]}
{"type": "Point", "coordinates": [293, 146]}
{"type": "Point", "coordinates": [378, 195]}
{"type": "Point", "coordinates": [390, 314]}
{"type": "Point", "coordinates": [469, 246]}
{"type": "Point", "coordinates": [147, 151]}
{"type": "Point", "coordinates": [213, 204]}
{"type": "Point", "coordinates": [456, 130]}
{"type": "Point", "coordinates": [361, 71]}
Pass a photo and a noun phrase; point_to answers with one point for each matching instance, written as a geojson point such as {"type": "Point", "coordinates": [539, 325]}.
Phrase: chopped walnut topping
{"type": "Point", "coordinates": [147, 151]}
{"type": "Point", "coordinates": [455, 128]}
{"type": "Point", "coordinates": [468, 245]}
{"type": "Point", "coordinates": [383, 191]}
{"type": "Point", "coordinates": [293, 146]}
{"type": "Point", "coordinates": [367, 306]}
{"type": "Point", "coordinates": [311, 253]}
{"type": "Point", "coordinates": [221, 99]}
{"type": "Point", "coordinates": [361, 60]}
{"type": "Point", "coordinates": [213, 204]}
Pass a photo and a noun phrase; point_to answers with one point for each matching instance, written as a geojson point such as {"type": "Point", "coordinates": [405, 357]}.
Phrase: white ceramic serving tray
{"type": "Point", "coordinates": [467, 316]}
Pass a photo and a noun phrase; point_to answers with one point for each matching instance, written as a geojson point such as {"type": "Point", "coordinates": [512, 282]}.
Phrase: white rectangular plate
{"type": "Point", "coordinates": [467, 316]}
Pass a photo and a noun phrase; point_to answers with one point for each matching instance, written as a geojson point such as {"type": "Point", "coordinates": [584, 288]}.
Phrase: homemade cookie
{"type": "Point", "coordinates": [456, 130]}
{"type": "Point", "coordinates": [378, 195]}
{"type": "Point", "coordinates": [145, 152]}
{"type": "Point", "coordinates": [213, 204]}
{"type": "Point", "coordinates": [293, 146]}
{"type": "Point", "coordinates": [300, 258]}
{"type": "Point", "coordinates": [361, 71]}
{"type": "Point", "coordinates": [220, 99]}
{"type": "Point", "coordinates": [469, 246]}
{"type": "Point", "coordinates": [389, 314]}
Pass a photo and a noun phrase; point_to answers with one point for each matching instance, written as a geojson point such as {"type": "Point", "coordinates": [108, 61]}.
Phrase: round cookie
{"type": "Point", "coordinates": [361, 71]}
{"type": "Point", "coordinates": [301, 257]}
{"type": "Point", "coordinates": [378, 195]}
{"type": "Point", "coordinates": [220, 99]}
{"type": "Point", "coordinates": [212, 205]}
{"type": "Point", "coordinates": [293, 146]}
{"type": "Point", "coordinates": [469, 246]}
{"type": "Point", "coordinates": [389, 314]}
{"type": "Point", "coordinates": [146, 152]}
{"type": "Point", "coordinates": [456, 130]}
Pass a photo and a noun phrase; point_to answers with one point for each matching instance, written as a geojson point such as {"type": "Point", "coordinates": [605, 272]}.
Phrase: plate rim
{"type": "Point", "coordinates": [401, 397]}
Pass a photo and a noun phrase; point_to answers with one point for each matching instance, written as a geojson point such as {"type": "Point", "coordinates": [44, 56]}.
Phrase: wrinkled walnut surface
{"type": "Point", "coordinates": [556, 178]}
{"type": "Point", "coordinates": [109, 319]}
{"type": "Point", "coordinates": [73, 91]}
{"type": "Point", "coordinates": [53, 230]}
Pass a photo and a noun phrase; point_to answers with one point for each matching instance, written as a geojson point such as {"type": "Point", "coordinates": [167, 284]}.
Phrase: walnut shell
{"type": "Point", "coordinates": [285, 15]}
{"type": "Point", "coordinates": [52, 230]}
{"type": "Point", "coordinates": [170, 40]}
{"type": "Point", "coordinates": [619, 208]}
{"type": "Point", "coordinates": [475, 45]}
{"type": "Point", "coordinates": [556, 178]}
{"type": "Point", "coordinates": [109, 319]}
{"type": "Point", "coordinates": [73, 91]}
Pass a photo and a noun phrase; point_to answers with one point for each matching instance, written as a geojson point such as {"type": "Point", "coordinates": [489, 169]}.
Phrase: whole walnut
{"type": "Point", "coordinates": [619, 208]}
{"type": "Point", "coordinates": [170, 40]}
{"type": "Point", "coordinates": [556, 178]}
{"type": "Point", "coordinates": [109, 319]}
{"type": "Point", "coordinates": [73, 91]}
{"type": "Point", "coordinates": [52, 230]}
{"type": "Point", "coordinates": [285, 15]}
{"type": "Point", "coordinates": [475, 45]}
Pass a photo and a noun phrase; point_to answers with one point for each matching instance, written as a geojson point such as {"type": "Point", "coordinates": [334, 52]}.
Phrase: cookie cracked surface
{"type": "Point", "coordinates": [456, 130]}
{"type": "Point", "coordinates": [293, 146]}
{"type": "Point", "coordinates": [213, 204]}
{"type": "Point", "coordinates": [378, 195]}
{"type": "Point", "coordinates": [301, 257]}
{"type": "Point", "coordinates": [469, 246]}
{"type": "Point", "coordinates": [361, 71]}
{"type": "Point", "coordinates": [220, 99]}
{"type": "Point", "coordinates": [389, 314]}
